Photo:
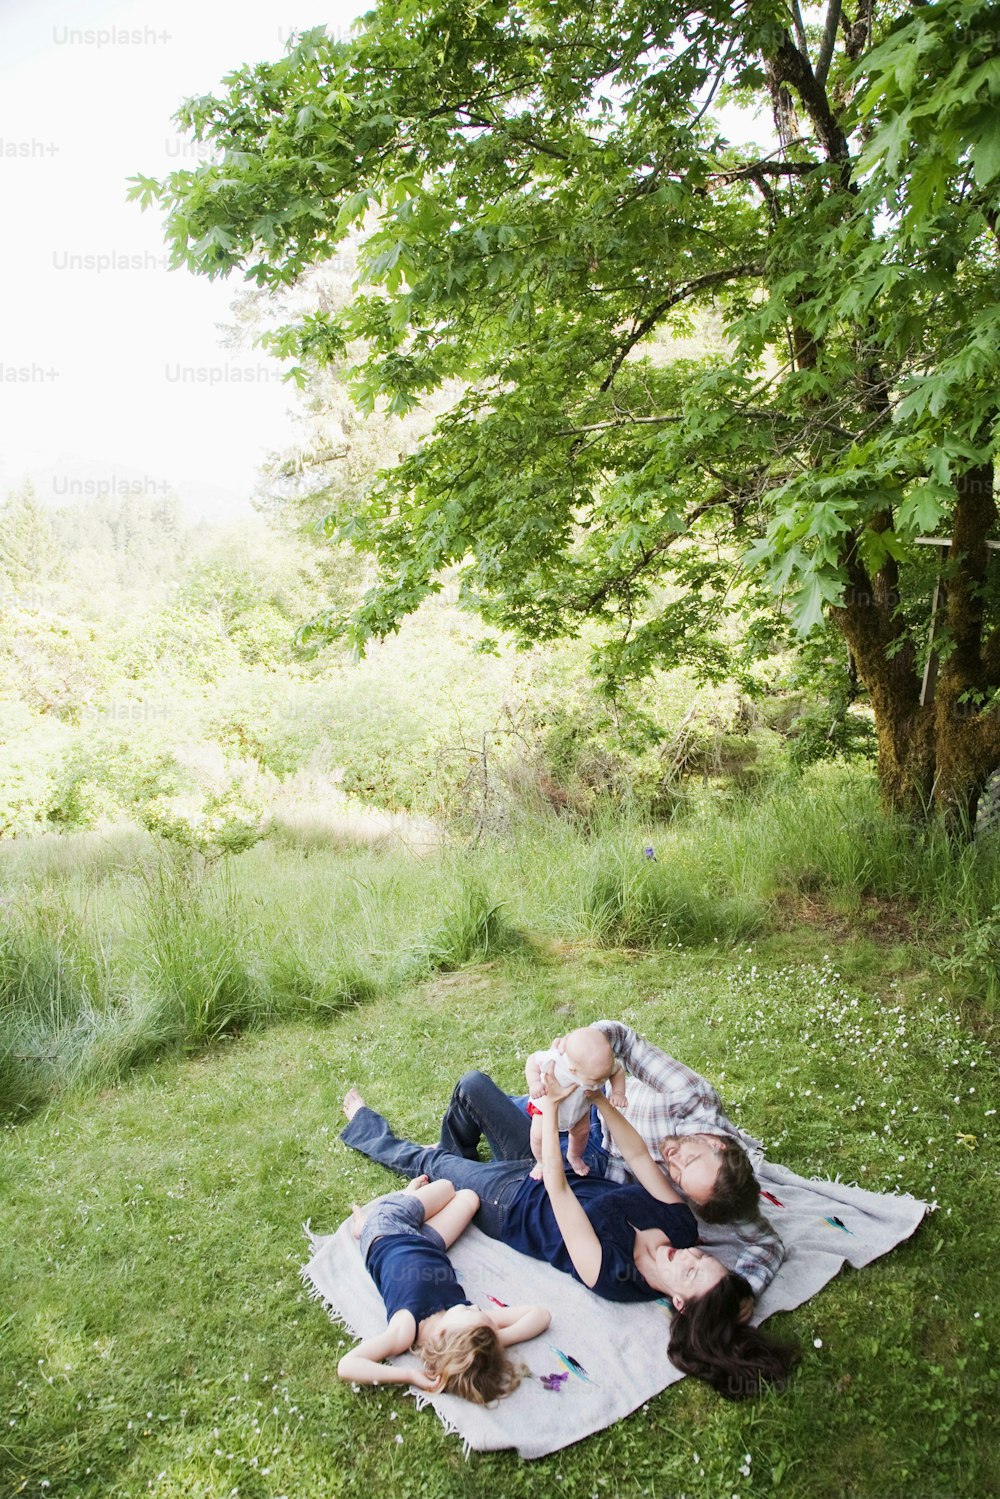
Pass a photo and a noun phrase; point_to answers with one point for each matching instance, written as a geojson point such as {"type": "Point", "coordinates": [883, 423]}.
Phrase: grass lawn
{"type": "Point", "coordinates": [157, 1340]}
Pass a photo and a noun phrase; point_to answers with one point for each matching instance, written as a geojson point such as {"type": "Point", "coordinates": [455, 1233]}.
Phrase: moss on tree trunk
{"type": "Point", "coordinates": [934, 756]}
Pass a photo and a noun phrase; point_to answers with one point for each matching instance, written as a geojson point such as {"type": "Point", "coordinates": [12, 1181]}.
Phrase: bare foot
{"type": "Point", "coordinates": [536, 1173]}
{"type": "Point", "coordinates": [580, 1167]}
{"type": "Point", "coordinates": [352, 1102]}
{"type": "Point", "coordinates": [358, 1217]}
{"type": "Point", "coordinates": [418, 1181]}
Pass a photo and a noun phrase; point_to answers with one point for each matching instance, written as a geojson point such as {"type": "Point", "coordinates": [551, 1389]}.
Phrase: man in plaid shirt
{"type": "Point", "coordinates": [680, 1117]}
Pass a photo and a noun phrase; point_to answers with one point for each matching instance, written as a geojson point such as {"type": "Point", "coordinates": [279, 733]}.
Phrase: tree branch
{"type": "Point", "coordinates": [746, 412]}
{"type": "Point", "coordinates": [715, 84]}
{"type": "Point", "coordinates": [858, 33]}
{"type": "Point", "coordinates": [789, 66]}
{"type": "Point", "coordinates": [611, 585]}
{"type": "Point", "coordinates": [800, 29]}
{"type": "Point", "coordinates": [700, 283]}
{"type": "Point", "coordinates": [506, 128]}
{"type": "Point", "coordinates": [624, 421]}
{"type": "Point", "coordinates": [827, 44]}
{"type": "Point", "coordinates": [770, 169]}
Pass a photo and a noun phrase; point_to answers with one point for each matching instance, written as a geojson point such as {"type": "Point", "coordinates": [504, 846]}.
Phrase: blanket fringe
{"type": "Point", "coordinates": [422, 1399]}
{"type": "Point", "coordinates": [335, 1315]}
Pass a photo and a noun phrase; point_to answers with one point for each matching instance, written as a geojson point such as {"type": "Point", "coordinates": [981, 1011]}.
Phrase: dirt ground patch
{"type": "Point", "coordinates": [893, 922]}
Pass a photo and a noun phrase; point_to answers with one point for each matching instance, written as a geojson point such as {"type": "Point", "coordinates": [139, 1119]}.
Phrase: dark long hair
{"type": "Point", "coordinates": [708, 1340]}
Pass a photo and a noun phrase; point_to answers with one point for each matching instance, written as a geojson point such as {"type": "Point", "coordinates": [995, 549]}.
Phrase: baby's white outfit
{"type": "Point", "coordinates": [571, 1109]}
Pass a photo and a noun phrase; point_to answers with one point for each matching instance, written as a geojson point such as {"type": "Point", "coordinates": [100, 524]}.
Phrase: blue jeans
{"type": "Point", "coordinates": [497, 1183]}
{"type": "Point", "coordinates": [399, 1213]}
{"type": "Point", "coordinates": [479, 1109]}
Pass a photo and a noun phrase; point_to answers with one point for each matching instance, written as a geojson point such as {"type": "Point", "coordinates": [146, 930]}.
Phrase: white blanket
{"type": "Point", "coordinates": [614, 1356]}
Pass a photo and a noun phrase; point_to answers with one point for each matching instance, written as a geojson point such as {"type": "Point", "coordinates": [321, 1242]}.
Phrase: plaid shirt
{"type": "Point", "coordinates": [667, 1098]}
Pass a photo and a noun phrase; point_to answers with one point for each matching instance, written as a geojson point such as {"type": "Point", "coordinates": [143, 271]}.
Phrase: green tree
{"type": "Point", "coordinates": [541, 196]}
{"type": "Point", "coordinates": [29, 553]}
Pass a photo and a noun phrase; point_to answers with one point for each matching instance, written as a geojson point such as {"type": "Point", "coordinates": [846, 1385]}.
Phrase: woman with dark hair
{"type": "Point", "coordinates": [625, 1243]}
{"type": "Point", "coordinates": [711, 1339]}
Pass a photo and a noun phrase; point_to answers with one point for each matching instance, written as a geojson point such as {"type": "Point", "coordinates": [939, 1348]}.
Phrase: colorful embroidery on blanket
{"type": "Point", "coordinates": [572, 1364]}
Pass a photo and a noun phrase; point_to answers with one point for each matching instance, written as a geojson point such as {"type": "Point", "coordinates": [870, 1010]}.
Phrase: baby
{"type": "Point", "coordinates": [588, 1061]}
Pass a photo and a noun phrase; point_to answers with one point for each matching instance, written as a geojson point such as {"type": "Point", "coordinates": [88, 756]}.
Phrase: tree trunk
{"type": "Point", "coordinates": [967, 740]}
{"type": "Point", "coordinates": [904, 730]}
{"type": "Point", "coordinates": [932, 757]}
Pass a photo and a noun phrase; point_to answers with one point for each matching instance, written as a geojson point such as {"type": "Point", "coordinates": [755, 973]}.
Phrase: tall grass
{"type": "Point", "coordinates": [473, 930]}
{"type": "Point", "coordinates": [134, 948]}
{"type": "Point", "coordinates": [197, 946]}
{"type": "Point", "coordinates": [174, 952]}
{"type": "Point", "coordinates": [67, 1012]}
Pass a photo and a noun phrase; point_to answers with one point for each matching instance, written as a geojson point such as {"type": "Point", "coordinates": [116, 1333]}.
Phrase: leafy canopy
{"type": "Point", "coordinates": [545, 200]}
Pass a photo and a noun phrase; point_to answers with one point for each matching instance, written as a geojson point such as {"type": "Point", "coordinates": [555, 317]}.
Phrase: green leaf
{"type": "Point", "coordinates": [807, 603]}
{"type": "Point", "coordinates": [986, 150]}
{"type": "Point", "coordinates": [923, 508]}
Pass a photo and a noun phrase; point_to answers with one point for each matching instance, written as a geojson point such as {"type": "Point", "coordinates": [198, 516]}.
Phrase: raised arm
{"type": "Point", "coordinates": [649, 1064]}
{"type": "Point", "coordinates": [519, 1324]}
{"type": "Point", "coordinates": [363, 1363]}
{"type": "Point", "coordinates": [582, 1243]}
{"type": "Point", "coordinates": [635, 1152]}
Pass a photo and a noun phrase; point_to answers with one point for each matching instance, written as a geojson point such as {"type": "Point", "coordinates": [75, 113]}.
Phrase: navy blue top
{"type": "Point", "coordinates": [413, 1275]}
{"type": "Point", "coordinates": [615, 1212]}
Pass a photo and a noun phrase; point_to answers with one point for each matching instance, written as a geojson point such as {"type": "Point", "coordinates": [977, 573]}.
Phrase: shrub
{"type": "Point", "coordinates": [202, 947]}
{"type": "Point", "coordinates": [473, 931]}
{"type": "Point", "coordinates": [630, 900]}
{"type": "Point", "coordinates": [108, 775]}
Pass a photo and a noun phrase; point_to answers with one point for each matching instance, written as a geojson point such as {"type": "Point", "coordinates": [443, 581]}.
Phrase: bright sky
{"type": "Point", "coordinates": [91, 360]}
{"type": "Point", "coordinates": [96, 334]}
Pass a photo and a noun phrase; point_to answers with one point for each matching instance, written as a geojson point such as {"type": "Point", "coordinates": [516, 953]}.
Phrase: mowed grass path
{"type": "Point", "coordinates": [156, 1338]}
